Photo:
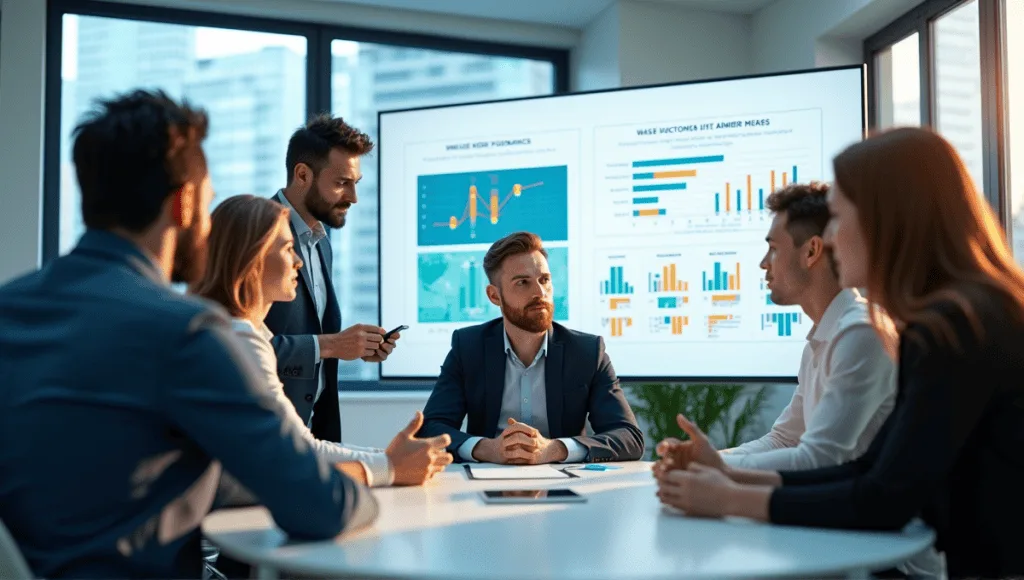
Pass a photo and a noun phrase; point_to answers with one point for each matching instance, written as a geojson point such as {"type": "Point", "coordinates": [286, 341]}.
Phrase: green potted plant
{"type": "Point", "coordinates": [715, 408]}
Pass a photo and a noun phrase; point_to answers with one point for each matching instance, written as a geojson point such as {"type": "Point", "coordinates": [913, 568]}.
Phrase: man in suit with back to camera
{"type": "Point", "coordinates": [323, 163]}
{"type": "Point", "coordinates": [528, 384]}
{"type": "Point", "coordinates": [99, 352]}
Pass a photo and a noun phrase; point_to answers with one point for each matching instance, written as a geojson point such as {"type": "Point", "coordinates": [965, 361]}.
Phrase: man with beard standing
{"type": "Point", "coordinates": [323, 169]}
{"type": "Point", "coordinates": [99, 353]}
{"type": "Point", "coordinates": [529, 385]}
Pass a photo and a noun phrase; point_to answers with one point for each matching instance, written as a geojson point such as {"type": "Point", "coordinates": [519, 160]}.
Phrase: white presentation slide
{"type": "Point", "coordinates": [651, 203]}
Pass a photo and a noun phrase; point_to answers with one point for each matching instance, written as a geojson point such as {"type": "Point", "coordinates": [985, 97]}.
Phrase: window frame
{"type": "Point", "coordinates": [318, 67]}
{"type": "Point", "coordinates": [992, 35]}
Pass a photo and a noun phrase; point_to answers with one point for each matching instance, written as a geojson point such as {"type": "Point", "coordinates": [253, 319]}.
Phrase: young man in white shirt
{"type": "Point", "coordinates": [847, 379]}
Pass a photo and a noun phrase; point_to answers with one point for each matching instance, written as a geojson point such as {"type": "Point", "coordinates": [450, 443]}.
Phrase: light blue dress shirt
{"type": "Point", "coordinates": [525, 400]}
{"type": "Point", "coordinates": [308, 238]}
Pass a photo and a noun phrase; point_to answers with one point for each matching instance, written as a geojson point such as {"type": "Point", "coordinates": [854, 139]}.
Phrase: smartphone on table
{"type": "Point", "coordinates": [506, 496]}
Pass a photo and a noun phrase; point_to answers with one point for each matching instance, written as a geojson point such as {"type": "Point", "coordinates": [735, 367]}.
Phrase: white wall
{"type": "Point", "coordinates": [22, 44]}
{"type": "Point", "coordinates": [595, 60]}
{"type": "Point", "coordinates": [661, 43]}
{"type": "Point", "coordinates": [372, 419]}
{"type": "Point", "coordinates": [636, 43]}
{"type": "Point", "coordinates": [802, 34]}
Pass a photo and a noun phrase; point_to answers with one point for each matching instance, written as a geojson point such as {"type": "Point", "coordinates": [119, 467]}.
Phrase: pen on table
{"type": "Point", "coordinates": [593, 467]}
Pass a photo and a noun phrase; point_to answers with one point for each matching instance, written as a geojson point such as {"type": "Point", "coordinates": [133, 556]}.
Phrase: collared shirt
{"type": "Point", "coordinates": [525, 400]}
{"type": "Point", "coordinates": [308, 238]}
{"type": "Point", "coordinates": [847, 388]}
{"type": "Point", "coordinates": [379, 471]}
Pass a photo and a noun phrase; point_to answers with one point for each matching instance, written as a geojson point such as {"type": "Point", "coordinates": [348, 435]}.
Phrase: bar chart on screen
{"type": "Point", "coordinates": [722, 282]}
{"type": "Point", "coordinates": [616, 293]}
{"type": "Point", "coordinates": [723, 325]}
{"type": "Point", "coordinates": [667, 288]}
{"type": "Point", "coordinates": [615, 282]}
{"type": "Point", "coordinates": [667, 277]}
{"type": "Point", "coordinates": [617, 326]}
{"type": "Point", "coordinates": [707, 292]}
{"type": "Point", "coordinates": [781, 321]}
{"type": "Point", "coordinates": [701, 177]}
{"type": "Point", "coordinates": [669, 325]}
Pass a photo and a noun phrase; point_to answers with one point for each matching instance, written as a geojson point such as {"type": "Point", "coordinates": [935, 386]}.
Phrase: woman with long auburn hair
{"type": "Point", "coordinates": [910, 227]}
{"type": "Point", "coordinates": [247, 227]}
{"type": "Point", "coordinates": [251, 264]}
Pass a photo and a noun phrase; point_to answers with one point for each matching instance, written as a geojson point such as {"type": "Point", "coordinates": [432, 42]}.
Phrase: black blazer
{"type": "Point", "coordinates": [579, 379]}
{"type": "Point", "coordinates": [295, 325]}
{"type": "Point", "coordinates": [950, 452]}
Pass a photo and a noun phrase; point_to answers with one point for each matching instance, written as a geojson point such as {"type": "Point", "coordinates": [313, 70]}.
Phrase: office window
{"type": "Point", "coordinates": [259, 79]}
{"type": "Point", "coordinates": [958, 47]}
{"type": "Point", "coordinates": [898, 78]}
{"type": "Point", "coordinates": [357, 68]}
{"type": "Point", "coordinates": [480, 66]}
{"type": "Point", "coordinates": [437, 93]}
{"type": "Point", "coordinates": [392, 75]}
{"type": "Point", "coordinates": [957, 70]}
{"type": "Point", "coordinates": [1015, 119]}
{"type": "Point", "coordinates": [252, 84]}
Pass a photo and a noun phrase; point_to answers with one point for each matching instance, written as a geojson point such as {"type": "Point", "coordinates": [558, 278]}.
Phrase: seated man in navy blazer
{"type": "Point", "coordinates": [528, 384]}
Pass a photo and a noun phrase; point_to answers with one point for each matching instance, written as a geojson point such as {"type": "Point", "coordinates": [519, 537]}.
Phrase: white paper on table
{"type": "Point", "coordinates": [494, 471]}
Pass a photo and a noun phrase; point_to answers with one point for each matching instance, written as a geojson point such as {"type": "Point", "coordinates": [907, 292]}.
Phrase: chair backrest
{"type": "Point", "coordinates": [12, 564]}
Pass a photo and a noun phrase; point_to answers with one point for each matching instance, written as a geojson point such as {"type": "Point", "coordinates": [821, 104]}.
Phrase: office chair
{"type": "Point", "coordinates": [12, 564]}
{"type": "Point", "coordinates": [210, 555]}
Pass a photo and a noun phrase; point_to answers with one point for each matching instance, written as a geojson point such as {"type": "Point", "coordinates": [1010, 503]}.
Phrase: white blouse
{"type": "Point", "coordinates": [257, 342]}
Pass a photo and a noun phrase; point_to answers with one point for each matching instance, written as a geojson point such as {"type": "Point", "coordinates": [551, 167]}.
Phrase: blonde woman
{"type": "Point", "coordinates": [252, 264]}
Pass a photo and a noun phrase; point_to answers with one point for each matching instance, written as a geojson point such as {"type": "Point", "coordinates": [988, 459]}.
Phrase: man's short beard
{"type": "Point", "coordinates": [320, 209]}
{"type": "Point", "coordinates": [527, 319]}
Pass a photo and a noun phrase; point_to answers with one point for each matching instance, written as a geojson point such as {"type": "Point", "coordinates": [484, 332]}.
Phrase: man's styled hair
{"type": "Point", "coordinates": [511, 245]}
{"type": "Point", "coordinates": [806, 209]}
{"type": "Point", "coordinates": [131, 153]}
{"type": "Point", "coordinates": [312, 143]}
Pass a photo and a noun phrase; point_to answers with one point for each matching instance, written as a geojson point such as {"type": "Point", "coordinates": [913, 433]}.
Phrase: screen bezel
{"type": "Point", "coordinates": [746, 379]}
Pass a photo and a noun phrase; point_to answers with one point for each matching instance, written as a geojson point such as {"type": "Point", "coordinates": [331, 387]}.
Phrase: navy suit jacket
{"type": "Point", "coordinates": [295, 325]}
{"type": "Point", "coordinates": [579, 380]}
{"type": "Point", "coordinates": [152, 387]}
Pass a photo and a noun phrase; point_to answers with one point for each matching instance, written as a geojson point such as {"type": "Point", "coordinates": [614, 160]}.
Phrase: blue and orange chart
{"type": "Point", "coordinates": [484, 206]}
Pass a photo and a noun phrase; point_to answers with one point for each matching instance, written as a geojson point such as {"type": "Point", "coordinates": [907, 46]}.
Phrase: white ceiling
{"type": "Point", "coordinates": [734, 6]}
{"type": "Point", "coordinates": [568, 13]}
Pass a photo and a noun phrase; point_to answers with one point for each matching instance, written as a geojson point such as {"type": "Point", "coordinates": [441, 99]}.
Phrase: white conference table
{"type": "Point", "coordinates": [444, 530]}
